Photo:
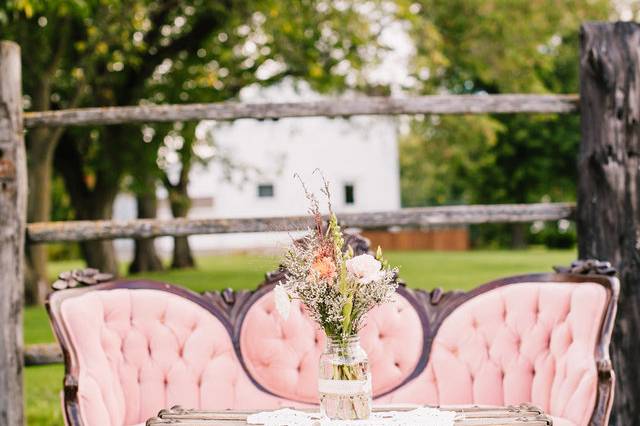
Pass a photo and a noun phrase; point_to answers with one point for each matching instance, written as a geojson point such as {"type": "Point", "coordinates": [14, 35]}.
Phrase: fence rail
{"type": "Point", "coordinates": [43, 354]}
{"type": "Point", "coordinates": [437, 104]}
{"type": "Point", "coordinates": [46, 232]}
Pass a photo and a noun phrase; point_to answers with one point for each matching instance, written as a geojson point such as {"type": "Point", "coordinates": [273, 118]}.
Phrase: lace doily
{"type": "Point", "coordinates": [423, 416]}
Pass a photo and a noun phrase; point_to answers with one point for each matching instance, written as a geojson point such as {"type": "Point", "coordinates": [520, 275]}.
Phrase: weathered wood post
{"type": "Point", "coordinates": [13, 197]}
{"type": "Point", "coordinates": [608, 212]}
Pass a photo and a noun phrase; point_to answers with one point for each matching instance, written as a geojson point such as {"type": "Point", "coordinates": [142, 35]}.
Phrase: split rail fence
{"type": "Point", "coordinates": [594, 104]}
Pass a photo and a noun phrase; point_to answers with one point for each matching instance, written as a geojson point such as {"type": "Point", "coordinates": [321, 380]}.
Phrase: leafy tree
{"type": "Point", "coordinates": [442, 155]}
{"type": "Point", "coordinates": [307, 40]}
{"type": "Point", "coordinates": [128, 52]}
{"type": "Point", "coordinates": [495, 46]}
{"type": "Point", "coordinates": [51, 64]}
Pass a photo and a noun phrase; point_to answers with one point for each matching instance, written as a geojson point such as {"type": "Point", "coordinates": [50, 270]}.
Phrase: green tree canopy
{"type": "Point", "coordinates": [126, 52]}
{"type": "Point", "coordinates": [494, 46]}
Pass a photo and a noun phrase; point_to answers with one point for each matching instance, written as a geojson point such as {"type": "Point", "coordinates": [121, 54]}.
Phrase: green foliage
{"type": "Point", "coordinates": [558, 235]}
{"type": "Point", "coordinates": [441, 157]}
{"type": "Point", "coordinates": [61, 203]}
{"type": "Point", "coordinates": [494, 46]}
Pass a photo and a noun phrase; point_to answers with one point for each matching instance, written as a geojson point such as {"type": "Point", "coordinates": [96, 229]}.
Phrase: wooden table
{"type": "Point", "coordinates": [521, 415]}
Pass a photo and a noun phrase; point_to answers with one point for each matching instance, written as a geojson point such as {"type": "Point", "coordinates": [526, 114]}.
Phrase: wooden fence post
{"type": "Point", "coordinates": [13, 197]}
{"type": "Point", "coordinates": [608, 211]}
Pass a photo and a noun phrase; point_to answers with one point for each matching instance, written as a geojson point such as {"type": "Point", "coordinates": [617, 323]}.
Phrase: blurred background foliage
{"type": "Point", "coordinates": [496, 46]}
{"type": "Point", "coordinates": [79, 53]}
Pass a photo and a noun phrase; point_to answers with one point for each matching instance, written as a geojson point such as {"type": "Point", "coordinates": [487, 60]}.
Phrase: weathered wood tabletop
{"type": "Point", "coordinates": [521, 415]}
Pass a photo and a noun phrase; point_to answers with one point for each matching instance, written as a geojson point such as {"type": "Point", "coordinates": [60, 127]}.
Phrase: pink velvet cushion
{"type": "Point", "coordinates": [283, 355]}
{"type": "Point", "coordinates": [143, 350]}
{"type": "Point", "coordinates": [527, 342]}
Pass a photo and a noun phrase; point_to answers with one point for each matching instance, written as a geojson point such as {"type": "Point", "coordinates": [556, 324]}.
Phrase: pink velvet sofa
{"type": "Point", "coordinates": [134, 347]}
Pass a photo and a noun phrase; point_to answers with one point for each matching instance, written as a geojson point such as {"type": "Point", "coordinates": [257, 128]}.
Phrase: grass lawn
{"type": "Point", "coordinates": [462, 270]}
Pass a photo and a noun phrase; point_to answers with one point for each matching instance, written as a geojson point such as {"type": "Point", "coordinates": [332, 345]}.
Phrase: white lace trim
{"type": "Point", "coordinates": [423, 416]}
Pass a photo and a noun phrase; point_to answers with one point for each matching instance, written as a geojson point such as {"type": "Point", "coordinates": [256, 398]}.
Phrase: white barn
{"type": "Point", "coordinates": [358, 156]}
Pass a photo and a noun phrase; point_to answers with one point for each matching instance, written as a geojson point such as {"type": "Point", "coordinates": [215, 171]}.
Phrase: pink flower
{"type": "Point", "coordinates": [325, 267]}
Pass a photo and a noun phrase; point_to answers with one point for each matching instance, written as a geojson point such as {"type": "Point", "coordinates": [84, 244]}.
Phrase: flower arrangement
{"type": "Point", "coordinates": [337, 288]}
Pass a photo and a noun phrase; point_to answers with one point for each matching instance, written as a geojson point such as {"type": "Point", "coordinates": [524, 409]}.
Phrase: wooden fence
{"type": "Point", "coordinates": [608, 197]}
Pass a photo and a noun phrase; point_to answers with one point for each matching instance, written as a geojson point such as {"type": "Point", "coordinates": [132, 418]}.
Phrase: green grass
{"type": "Point", "coordinates": [43, 385]}
{"type": "Point", "coordinates": [449, 270]}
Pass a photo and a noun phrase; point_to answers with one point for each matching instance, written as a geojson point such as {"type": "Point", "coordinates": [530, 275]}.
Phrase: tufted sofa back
{"type": "Point", "coordinates": [526, 342]}
{"type": "Point", "coordinates": [137, 351]}
{"type": "Point", "coordinates": [135, 347]}
{"type": "Point", "coordinates": [282, 356]}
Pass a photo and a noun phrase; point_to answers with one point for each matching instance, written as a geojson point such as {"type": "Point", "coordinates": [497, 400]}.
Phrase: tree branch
{"type": "Point", "coordinates": [205, 24]}
{"type": "Point", "coordinates": [159, 19]}
{"type": "Point", "coordinates": [63, 43]}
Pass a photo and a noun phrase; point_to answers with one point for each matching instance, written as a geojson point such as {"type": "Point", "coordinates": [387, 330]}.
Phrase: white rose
{"type": "Point", "coordinates": [283, 303]}
{"type": "Point", "coordinates": [365, 268]}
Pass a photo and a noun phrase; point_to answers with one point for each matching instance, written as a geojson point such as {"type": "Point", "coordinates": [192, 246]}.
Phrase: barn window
{"type": "Point", "coordinates": [265, 190]}
{"type": "Point", "coordinates": [349, 194]}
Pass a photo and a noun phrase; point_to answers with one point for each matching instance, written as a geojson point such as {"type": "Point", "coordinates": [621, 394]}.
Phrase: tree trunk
{"type": "Point", "coordinates": [608, 213]}
{"type": "Point", "coordinates": [182, 256]}
{"type": "Point", "coordinates": [98, 254]}
{"type": "Point", "coordinates": [180, 204]}
{"type": "Point", "coordinates": [13, 211]}
{"type": "Point", "coordinates": [146, 258]}
{"type": "Point", "coordinates": [519, 235]}
{"type": "Point", "coordinates": [40, 150]}
{"type": "Point", "coordinates": [89, 204]}
{"type": "Point", "coordinates": [40, 154]}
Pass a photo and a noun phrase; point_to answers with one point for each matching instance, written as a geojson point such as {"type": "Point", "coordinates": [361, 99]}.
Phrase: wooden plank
{"type": "Point", "coordinates": [13, 208]}
{"type": "Point", "coordinates": [43, 354]}
{"type": "Point", "coordinates": [437, 104]}
{"type": "Point", "coordinates": [608, 216]}
{"type": "Point", "coordinates": [404, 218]}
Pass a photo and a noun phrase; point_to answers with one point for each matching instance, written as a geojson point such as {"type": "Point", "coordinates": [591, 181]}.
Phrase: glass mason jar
{"type": "Point", "coordinates": [344, 382]}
